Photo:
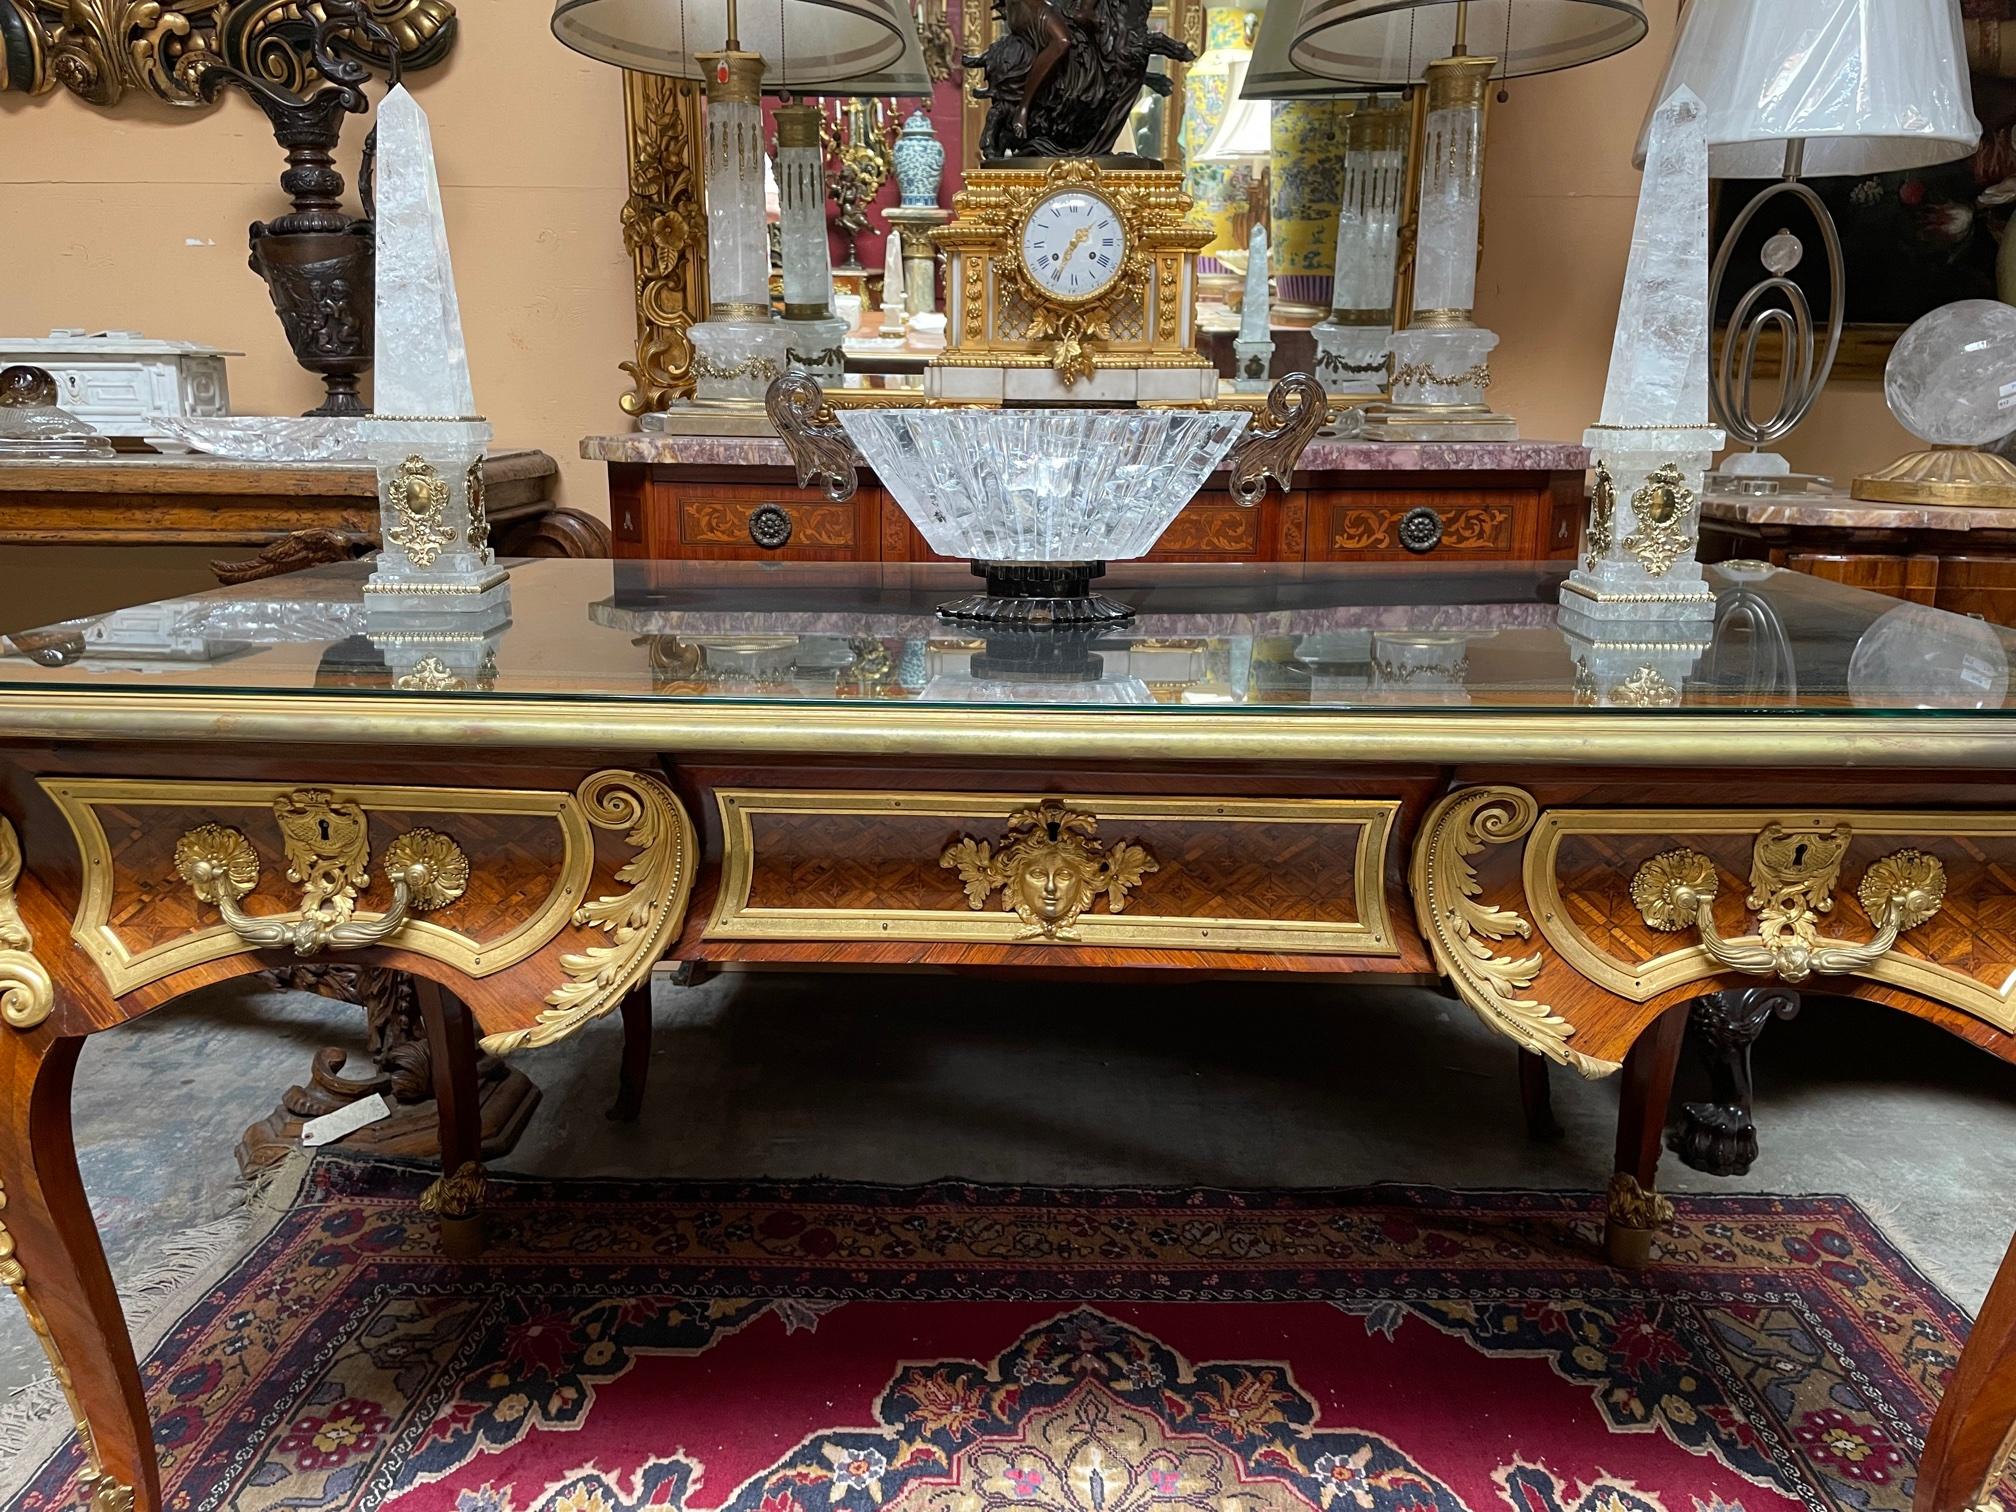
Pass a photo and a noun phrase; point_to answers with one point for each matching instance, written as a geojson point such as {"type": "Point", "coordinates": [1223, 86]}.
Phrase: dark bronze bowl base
{"type": "Point", "coordinates": [1038, 595]}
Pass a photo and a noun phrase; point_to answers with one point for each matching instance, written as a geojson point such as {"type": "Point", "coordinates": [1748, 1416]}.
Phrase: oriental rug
{"type": "Point", "coordinates": [828, 1347]}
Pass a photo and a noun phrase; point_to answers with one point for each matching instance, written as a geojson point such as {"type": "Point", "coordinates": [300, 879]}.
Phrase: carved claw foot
{"type": "Point", "coordinates": [1635, 1217]}
{"type": "Point", "coordinates": [1719, 1136]}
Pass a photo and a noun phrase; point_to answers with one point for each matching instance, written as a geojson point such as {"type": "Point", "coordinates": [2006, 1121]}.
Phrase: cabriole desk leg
{"type": "Point", "coordinates": [1637, 1211]}
{"type": "Point", "coordinates": [456, 1199]}
{"type": "Point", "coordinates": [636, 1065]}
{"type": "Point", "coordinates": [52, 1261]}
{"type": "Point", "coordinates": [1973, 1436]}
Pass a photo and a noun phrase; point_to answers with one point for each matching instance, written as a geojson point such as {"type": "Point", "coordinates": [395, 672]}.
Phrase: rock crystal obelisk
{"type": "Point", "coordinates": [1253, 351]}
{"type": "Point", "coordinates": [1654, 441]}
{"type": "Point", "coordinates": [425, 438]}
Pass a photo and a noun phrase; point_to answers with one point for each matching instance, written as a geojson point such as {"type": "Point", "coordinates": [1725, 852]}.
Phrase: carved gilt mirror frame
{"type": "Point", "coordinates": [102, 50]}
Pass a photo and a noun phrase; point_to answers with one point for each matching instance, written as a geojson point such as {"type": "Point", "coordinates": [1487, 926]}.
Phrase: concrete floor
{"type": "Point", "coordinates": [906, 1079]}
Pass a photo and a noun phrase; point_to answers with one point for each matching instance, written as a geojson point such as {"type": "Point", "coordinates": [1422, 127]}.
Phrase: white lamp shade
{"type": "Point", "coordinates": [1270, 76]}
{"type": "Point", "coordinates": [1868, 85]}
{"type": "Point", "coordinates": [828, 47]}
{"type": "Point", "coordinates": [1247, 128]}
{"type": "Point", "coordinates": [1391, 41]}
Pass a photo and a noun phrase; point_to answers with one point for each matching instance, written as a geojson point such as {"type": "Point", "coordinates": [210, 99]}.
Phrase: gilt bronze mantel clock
{"type": "Point", "coordinates": [1071, 271]}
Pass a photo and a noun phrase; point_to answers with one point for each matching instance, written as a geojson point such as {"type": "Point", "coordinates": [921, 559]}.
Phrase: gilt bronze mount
{"type": "Point", "coordinates": [1793, 875]}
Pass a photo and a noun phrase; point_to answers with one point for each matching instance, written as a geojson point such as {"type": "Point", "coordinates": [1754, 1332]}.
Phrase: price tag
{"type": "Point", "coordinates": [331, 1127]}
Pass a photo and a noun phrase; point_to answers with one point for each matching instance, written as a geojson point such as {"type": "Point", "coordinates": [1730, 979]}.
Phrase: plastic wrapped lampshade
{"type": "Point", "coordinates": [1393, 41]}
{"type": "Point", "coordinates": [1868, 86]}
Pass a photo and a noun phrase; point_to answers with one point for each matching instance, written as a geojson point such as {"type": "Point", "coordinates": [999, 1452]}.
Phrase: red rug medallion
{"type": "Point", "coordinates": [813, 1347]}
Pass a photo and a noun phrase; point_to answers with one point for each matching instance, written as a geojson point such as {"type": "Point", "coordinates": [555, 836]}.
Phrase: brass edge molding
{"type": "Point", "coordinates": [1462, 932]}
{"type": "Point", "coordinates": [639, 921]}
{"type": "Point", "coordinates": [1357, 737]}
{"type": "Point", "coordinates": [78, 799]}
{"type": "Point", "coordinates": [27, 993]}
{"type": "Point", "coordinates": [100, 50]}
{"type": "Point", "coordinates": [104, 1493]}
{"type": "Point", "coordinates": [1692, 961]}
{"type": "Point", "coordinates": [1370, 935]}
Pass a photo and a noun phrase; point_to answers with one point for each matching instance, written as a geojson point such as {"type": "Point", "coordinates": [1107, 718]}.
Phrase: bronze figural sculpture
{"type": "Point", "coordinates": [1064, 75]}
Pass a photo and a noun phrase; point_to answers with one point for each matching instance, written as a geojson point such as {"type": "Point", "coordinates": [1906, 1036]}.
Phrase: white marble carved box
{"type": "Point", "coordinates": [118, 380]}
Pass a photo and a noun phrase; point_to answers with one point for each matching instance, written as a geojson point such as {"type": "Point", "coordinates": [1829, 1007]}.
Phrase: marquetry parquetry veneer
{"type": "Point", "coordinates": [574, 892]}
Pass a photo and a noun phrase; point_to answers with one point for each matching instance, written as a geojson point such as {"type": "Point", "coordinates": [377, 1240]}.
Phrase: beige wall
{"type": "Point", "coordinates": [136, 217]}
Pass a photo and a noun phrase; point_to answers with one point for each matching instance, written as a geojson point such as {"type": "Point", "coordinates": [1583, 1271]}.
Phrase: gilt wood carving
{"type": "Point", "coordinates": [665, 230]}
{"type": "Point", "coordinates": [103, 50]}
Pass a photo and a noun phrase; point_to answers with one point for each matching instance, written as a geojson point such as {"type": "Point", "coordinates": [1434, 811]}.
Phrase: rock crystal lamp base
{"type": "Point", "coordinates": [1943, 475]}
{"type": "Point", "coordinates": [1761, 475]}
{"type": "Point", "coordinates": [1038, 594]}
{"type": "Point", "coordinates": [813, 347]}
{"type": "Point", "coordinates": [1351, 359]}
{"type": "Point", "coordinates": [734, 361]}
{"type": "Point", "coordinates": [1440, 374]}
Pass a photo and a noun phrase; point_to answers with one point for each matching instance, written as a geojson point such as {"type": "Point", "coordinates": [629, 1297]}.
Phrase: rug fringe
{"type": "Point", "coordinates": [35, 1421]}
{"type": "Point", "coordinates": [1885, 1216]}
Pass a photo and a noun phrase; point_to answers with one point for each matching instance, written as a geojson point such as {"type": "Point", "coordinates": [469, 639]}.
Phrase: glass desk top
{"type": "Point", "coordinates": [1381, 637]}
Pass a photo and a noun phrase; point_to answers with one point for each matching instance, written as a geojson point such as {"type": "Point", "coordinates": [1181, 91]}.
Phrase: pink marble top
{"type": "Point", "coordinates": [1840, 511]}
{"type": "Point", "coordinates": [1323, 455]}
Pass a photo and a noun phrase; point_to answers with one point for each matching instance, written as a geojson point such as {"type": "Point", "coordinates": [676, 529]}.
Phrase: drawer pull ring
{"type": "Point", "coordinates": [426, 868]}
{"type": "Point", "coordinates": [1420, 529]}
{"type": "Point", "coordinates": [769, 526]}
{"type": "Point", "coordinates": [1792, 879]}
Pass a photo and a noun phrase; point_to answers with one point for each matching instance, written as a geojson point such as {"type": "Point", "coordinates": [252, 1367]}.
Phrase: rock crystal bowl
{"type": "Point", "coordinates": [1041, 499]}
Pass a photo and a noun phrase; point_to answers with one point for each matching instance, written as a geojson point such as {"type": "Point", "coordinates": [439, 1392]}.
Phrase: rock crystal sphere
{"type": "Point", "coordinates": [1951, 379]}
{"type": "Point", "coordinates": [1042, 485]}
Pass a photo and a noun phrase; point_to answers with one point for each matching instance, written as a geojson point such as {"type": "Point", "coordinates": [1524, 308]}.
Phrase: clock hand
{"type": "Point", "coordinates": [1077, 241]}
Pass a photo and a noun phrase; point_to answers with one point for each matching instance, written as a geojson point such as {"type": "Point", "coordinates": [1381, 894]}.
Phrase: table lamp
{"type": "Point", "coordinates": [816, 331]}
{"type": "Point", "coordinates": [1799, 89]}
{"type": "Point", "coordinates": [803, 45]}
{"type": "Point", "coordinates": [1441, 364]}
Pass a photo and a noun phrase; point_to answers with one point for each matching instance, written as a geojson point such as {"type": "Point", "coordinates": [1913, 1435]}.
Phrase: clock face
{"type": "Point", "coordinates": [1072, 245]}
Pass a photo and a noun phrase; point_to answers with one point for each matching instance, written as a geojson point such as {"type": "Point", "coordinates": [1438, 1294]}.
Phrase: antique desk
{"type": "Point", "coordinates": [736, 498]}
{"type": "Point", "coordinates": [1355, 773]}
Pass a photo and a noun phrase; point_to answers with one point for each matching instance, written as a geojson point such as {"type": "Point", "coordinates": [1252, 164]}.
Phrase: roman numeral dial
{"type": "Point", "coordinates": [1073, 245]}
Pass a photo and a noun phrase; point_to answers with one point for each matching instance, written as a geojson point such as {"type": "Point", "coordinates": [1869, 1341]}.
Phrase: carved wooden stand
{"type": "Point", "coordinates": [403, 1073]}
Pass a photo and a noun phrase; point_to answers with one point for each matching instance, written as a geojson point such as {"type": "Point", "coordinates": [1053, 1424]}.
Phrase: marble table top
{"type": "Point", "coordinates": [1838, 511]}
{"type": "Point", "coordinates": [1323, 455]}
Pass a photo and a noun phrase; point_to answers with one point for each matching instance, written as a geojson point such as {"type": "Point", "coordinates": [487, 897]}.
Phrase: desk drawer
{"type": "Point", "coordinates": [1350, 527]}
{"type": "Point", "coordinates": [1301, 875]}
{"type": "Point", "coordinates": [744, 522]}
